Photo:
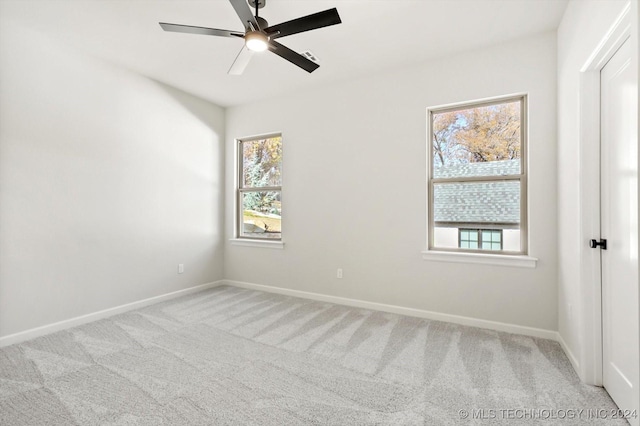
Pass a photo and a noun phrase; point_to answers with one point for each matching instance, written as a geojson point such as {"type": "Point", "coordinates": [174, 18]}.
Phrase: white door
{"type": "Point", "coordinates": [619, 226]}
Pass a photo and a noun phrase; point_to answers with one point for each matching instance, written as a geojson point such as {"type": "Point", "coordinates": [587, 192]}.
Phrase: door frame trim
{"type": "Point", "coordinates": [590, 267]}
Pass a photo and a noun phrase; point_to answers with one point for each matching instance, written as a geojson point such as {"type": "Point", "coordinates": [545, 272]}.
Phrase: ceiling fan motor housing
{"type": "Point", "coordinates": [262, 23]}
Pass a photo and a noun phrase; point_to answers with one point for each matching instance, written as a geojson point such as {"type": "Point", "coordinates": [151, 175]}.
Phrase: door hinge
{"type": "Point", "coordinates": [595, 244]}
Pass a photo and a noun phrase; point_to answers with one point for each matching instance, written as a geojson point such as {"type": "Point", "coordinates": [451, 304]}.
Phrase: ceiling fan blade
{"type": "Point", "coordinates": [306, 23]}
{"type": "Point", "coordinates": [293, 57]}
{"type": "Point", "coordinates": [178, 28]}
{"type": "Point", "coordinates": [241, 61]}
{"type": "Point", "coordinates": [244, 13]}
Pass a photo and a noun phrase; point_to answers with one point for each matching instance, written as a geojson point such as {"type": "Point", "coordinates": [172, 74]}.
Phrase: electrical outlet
{"type": "Point", "coordinates": [180, 268]}
{"type": "Point", "coordinates": [339, 273]}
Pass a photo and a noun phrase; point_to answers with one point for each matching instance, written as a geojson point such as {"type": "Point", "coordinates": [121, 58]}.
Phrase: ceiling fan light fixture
{"type": "Point", "coordinates": [256, 41]}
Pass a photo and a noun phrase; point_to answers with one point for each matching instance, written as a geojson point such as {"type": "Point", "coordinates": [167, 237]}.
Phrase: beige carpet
{"type": "Point", "coordinates": [242, 357]}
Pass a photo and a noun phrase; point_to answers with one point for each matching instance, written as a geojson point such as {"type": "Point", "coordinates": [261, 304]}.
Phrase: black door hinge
{"type": "Point", "coordinates": [595, 244]}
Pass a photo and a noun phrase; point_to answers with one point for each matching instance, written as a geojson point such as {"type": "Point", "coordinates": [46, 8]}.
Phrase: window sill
{"type": "Point", "coordinates": [480, 258]}
{"type": "Point", "coordinates": [256, 243]}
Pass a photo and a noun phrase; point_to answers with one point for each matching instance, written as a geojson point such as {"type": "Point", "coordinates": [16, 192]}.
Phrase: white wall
{"type": "Point", "coordinates": [446, 237]}
{"type": "Point", "coordinates": [511, 239]}
{"type": "Point", "coordinates": [584, 25]}
{"type": "Point", "coordinates": [108, 180]}
{"type": "Point", "coordinates": [354, 188]}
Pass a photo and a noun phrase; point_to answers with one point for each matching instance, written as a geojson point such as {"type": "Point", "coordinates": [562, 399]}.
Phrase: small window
{"type": "Point", "coordinates": [477, 177]}
{"type": "Point", "coordinates": [259, 196]}
{"type": "Point", "coordinates": [484, 239]}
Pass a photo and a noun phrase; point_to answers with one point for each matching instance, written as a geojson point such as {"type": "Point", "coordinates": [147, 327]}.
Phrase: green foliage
{"type": "Point", "coordinates": [261, 163]}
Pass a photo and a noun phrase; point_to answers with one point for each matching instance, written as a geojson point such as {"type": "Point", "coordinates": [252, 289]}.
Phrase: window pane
{"type": "Point", "coordinates": [481, 141]}
{"type": "Point", "coordinates": [477, 203]}
{"type": "Point", "coordinates": [457, 205]}
{"type": "Point", "coordinates": [262, 162]}
{"type": "Point", "coordinates": [261, 216]}
{"type": "Point", "coordinates": [493, 240]}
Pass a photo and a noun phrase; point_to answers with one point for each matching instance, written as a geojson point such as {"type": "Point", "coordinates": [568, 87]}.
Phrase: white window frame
{"type": "Point", "coordinates": [433, 251]}
{"type": "Point", "coordinates": [239, 239]}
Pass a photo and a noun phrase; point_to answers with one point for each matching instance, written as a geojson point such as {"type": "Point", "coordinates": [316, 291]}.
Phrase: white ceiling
{"type": "Point", "coordinates": [375, 35]}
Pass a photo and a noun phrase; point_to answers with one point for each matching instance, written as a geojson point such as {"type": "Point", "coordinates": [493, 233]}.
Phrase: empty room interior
{"type": "Point", "coordinates": [333, 212]}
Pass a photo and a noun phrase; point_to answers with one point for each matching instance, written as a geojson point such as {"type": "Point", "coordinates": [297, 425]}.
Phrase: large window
{"type": "Point", "coordinates": [259, 196]}
{"type": "Point", "coordinates": [477, 177]}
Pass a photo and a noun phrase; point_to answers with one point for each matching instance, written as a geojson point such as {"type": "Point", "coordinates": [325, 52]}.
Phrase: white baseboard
{"type": "Point", "coordinates": [572, 359]}
{"type": "Point", "coordinates": [73, 322]}
{"type": "Point", "coordinates": [456, 319]}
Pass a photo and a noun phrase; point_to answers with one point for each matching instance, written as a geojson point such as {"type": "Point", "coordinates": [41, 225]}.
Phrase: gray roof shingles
{"type": "Point", "coordinates": [478, 202]}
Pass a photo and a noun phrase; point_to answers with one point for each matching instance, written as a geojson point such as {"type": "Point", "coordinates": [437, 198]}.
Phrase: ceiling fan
{"type": "Point", "coordinates": [259, 36]}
